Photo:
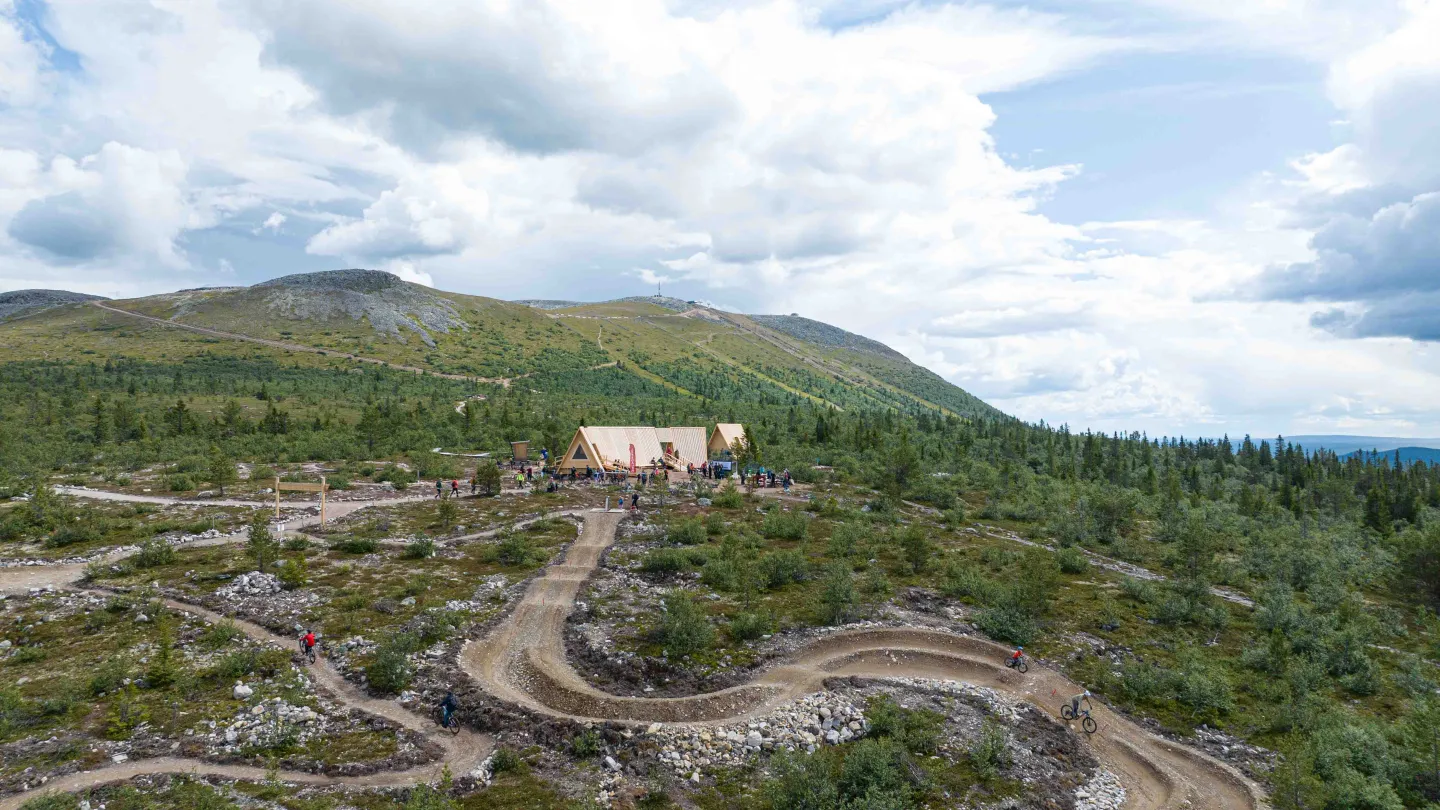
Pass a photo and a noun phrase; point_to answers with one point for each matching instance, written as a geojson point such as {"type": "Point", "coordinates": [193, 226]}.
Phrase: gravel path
{"type": "Point", "coordinates": [523, 661]}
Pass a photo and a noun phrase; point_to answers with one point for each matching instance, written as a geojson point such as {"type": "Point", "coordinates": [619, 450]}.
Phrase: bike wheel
{"type": "Point", "coordinates": [310, 656]}
{"type": "Point", "coordinates": [1088, 724]}
{"type": "Point", "coordinates": [1067, 712]}
{"type": "Point", "coordinates": [1022, 666]}
{"type": "Point", "coordinates": [454, 725]}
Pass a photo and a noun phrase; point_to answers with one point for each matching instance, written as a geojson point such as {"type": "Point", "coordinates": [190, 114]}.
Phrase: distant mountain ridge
{"type": "Point", "coordinates": [20, 302]}
{"type": "Point", "coordinates": [664, 344]}
{"type": "Point", "coordinates": [1408, 455]}
{"type": "Point", "coordinates": [1342, 444]}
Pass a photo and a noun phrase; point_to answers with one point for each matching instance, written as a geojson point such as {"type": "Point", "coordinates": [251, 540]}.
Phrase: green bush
{"type": "Point", "coordinates": [665, 562]}
{"type": "Point", "coordinates": [684, 627]}
{"type": "Point", "coordinates": [837, 595]}
{"type": "Point", "coordinates": [915, 544]}
{"type": "Point", "coordinates": [153, 552]}
{"type": "Point", "coordinates": [714, 524]}
{"type": "Point", "coordinates": [917, 730]}
{"type": "Point", "coordinates": [221, 634]}
{"type": "Point", "coordinates": [1141, 590]}
{"type": "Point", "coordinates": [81, 531]}
{"type": "Point", "coordinates": [687, 533]}
{"type": "Point", "coordinates": [180, 483]}
{"type": "Point", "coordinates": [780, 525]}
{"type": "Point", "coordinates": [389, 669]}
{"type": "Point", "coordinates": [782, 568]}
{"type": "Point", "coordinates": [750, 626]}
{"type": "Point", "coordinates": [419, 549]}
{"type": "Point", "coordinates": [989, 754]}
{"type": "Point", "coordinates": [295, 573]}
{"type": "Point", "coordinates": [1007, 623]}
{"type": "Point", "coordinates": [728, 497]}
{"type": "Point", "coordinates": [108, 675]}
{"type": "Point", "coordinates": [1072, 561]}
{"type": "Point", "coordinates": [845, 540]}
{"type": "Point", "coordinates": [513, 549]}
{"type": "Point", "coordinates": [505, 760]}
{"type": "Point", "coordinates": [264, 475]}
{"type": "Point", "coordinates": [586, 744]}
{"type": "Point", "coordinates": [357, 545]}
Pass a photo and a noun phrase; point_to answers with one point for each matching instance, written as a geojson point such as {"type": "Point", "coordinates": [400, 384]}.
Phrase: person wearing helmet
{"type": "Point", "coordinates": [1075, 702]}
{"type": "Point", "coordinates": [1015, 656]}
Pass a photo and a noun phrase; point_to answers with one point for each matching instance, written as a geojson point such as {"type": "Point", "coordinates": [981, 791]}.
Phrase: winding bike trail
{"type": "Point", "coordinates": [523, 661]}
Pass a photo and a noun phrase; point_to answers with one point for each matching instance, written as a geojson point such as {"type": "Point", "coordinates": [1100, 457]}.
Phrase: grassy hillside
{"type": "Point", "coordinates": [694, 352]}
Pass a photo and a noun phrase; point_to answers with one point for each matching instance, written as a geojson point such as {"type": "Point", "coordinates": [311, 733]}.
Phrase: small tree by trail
{"type": "Point", "coordinates": [221, 468]}
{"type": "Point", "coordinates": [260, 543]}
{"type": "Point", "coordinates": [487, 478]}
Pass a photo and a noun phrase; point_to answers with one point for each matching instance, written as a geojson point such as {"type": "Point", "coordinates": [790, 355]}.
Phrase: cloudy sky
{"type": "Point", "coordinates": [1163, 215]}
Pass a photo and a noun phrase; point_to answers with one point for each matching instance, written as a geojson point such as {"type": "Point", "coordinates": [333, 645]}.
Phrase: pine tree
{"type": "Point", "coordinates": [260, 543]}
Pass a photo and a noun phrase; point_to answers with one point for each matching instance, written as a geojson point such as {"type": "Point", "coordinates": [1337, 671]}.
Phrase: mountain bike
{"type": "Point", "coordinates": [1018, 664]}
{"type": "Point", "coordinates": [451, 724]}
{"type": "Point", "coordinates": [308, 653]}
{"type": "Point", "coordinates": [1086, 721]}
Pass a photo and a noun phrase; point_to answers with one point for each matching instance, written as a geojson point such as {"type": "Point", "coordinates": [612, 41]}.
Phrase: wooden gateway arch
{"type": "Point", "coordinates": [296, 486]}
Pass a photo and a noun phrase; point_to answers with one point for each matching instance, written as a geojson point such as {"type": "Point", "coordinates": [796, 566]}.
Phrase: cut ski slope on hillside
{"type": "Point", "coordinates": [373, 316]}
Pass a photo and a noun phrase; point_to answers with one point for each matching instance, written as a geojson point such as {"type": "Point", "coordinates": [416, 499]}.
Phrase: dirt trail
{"type": "Point", "coordinates": [463, 752]}
{"type": "Point", "coordinates": [523, 661]}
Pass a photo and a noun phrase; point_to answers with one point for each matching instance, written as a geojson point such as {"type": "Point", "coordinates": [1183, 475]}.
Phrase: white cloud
{"type": "Point", "coordinates": [21, 60]}
{"type": "Point", "coordinates": [749, 148]}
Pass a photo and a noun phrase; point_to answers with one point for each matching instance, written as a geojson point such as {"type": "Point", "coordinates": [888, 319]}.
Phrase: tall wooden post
{"type": "Point", "coordinates": [322, 501]}
{"type": "Point", "coordinates": [277, 497]}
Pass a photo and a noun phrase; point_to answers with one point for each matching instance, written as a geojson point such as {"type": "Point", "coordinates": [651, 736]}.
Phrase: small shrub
{"type": "Point", "coordinates": [917, 547]}
{"type": "Point", "coordinates": [728, 497]}
{"type": "Point", "coordinates": [684, 627]}
{"type": "Point", "coordinates": [586, 744]}
{"type": "Point", "coordinates": [782, 568]}
{"type": "Point", "coordinates": [714, 524]}
{"type": "Point", "coordinates": [1007, 623]}
{"type": "Point", "coordinates": [665, 562]}
{"type": "Point", "coordinates": [81, 531]}
{"type": "Point", "coordinates": [108, 675]}
{"type": "Point", "coordinates": [1072, 560]}
{"type": "Point", "coordinates": [153, 552]}
{"type": "Point", "coordinates": [989, 754]}
{"type": "Point", "coordinates": [1140, 590]}
{"type": "Point", "coordinates": [296, 543]}
{"type": "Point", "coordinates": [505, 760]}
{"type": "Point", "coordinates": [750, 626]}
{"type": "Point", "coordinates": [687, 533]}
{"type": "Point", "coordinates": [295, 573]}
{"type": "Point", "coordinates": [845, 540]}
{"type": "Point", "coordinates": [357, 545]}
{"type": "Point", "coordinates": [221, 634]}
{"type": "Point", "coordinates": [916, 730]}
{"type": "Point", "coordinates": [264, 475]}
{"type": "Point", "coordinates": [389, 669]}
{"type": "Point", "coordinates": [180, 483]}
{"type": "Point", "coordinates": [837, 595]}
{"type": "Point", "coordinates": [419, 549]}
{"type": "Point", "coordinates": [513, 549]}
{"type": "Point", "coordinates": [779, 525]}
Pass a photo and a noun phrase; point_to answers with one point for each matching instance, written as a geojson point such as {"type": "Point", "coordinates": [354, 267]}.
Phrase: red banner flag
{"type": "Point", "coordinates": [632, 459]}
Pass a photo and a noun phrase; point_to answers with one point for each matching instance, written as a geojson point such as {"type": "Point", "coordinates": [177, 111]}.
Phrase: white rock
{"type": "Point", "coordinates": [119, 758]}
{"type": "Point", "coordinates": [242, 691]}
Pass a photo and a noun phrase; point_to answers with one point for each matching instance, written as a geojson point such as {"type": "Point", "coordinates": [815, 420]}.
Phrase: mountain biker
{"type": "Point", "coordinates": [1075, 702]}
{"type": "Point", "coordinates": [309, 640]}
{"type": "Point", "coordinates": [1017, 655]}
{"type": "Point", "coordinates": [448, 707]}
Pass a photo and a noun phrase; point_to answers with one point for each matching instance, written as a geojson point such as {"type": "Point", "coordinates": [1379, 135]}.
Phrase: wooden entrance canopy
{"type": "Point", "coordinates": [289, 486]}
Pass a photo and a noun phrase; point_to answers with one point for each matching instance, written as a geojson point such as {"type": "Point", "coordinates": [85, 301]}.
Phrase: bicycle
{"type": "Point", "coordinates": [306, 652]}
{"type": "Point", "coordinates": [1017, 664]}
{"type": "Point", "coordinates": [450, 723]}
{"type": "Point", "coordinates": [1086, 721]}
